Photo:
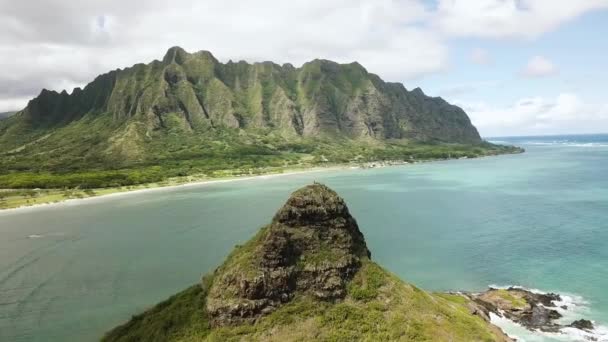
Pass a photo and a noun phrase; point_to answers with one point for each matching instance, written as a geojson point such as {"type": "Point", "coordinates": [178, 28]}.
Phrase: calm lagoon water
{"type": "Point", "coordinates": [538, 219]}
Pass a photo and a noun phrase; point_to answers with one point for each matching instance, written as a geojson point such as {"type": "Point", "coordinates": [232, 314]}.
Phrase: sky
{"type": "Point", "coordinates": [517, 67]}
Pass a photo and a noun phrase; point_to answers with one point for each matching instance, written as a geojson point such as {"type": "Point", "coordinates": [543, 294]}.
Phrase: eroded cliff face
{"type": "Point", "coordinates": [313, 246]}
{"type": "Point", "coordinates": [321, 98]}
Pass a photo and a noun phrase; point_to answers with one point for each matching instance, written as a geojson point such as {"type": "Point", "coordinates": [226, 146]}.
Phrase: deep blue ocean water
{"type": "Point", "coordinates": [540, 220]}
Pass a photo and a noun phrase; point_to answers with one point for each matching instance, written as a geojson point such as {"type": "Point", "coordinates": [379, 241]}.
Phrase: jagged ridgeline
{"type": "Point", "coordinates": [197, 91]}
{"type": "Point", "coordinates": [308, 275]}
{"type": "Point", "coordinates": [189, 114]}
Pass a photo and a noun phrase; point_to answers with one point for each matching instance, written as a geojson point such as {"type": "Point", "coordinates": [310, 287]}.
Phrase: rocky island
{"type": "Point", "coordinates": [308, 275]}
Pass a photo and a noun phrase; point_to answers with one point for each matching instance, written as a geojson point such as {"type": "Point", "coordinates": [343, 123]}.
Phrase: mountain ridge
{"type": "Point", "coordinates": [319, 98]}
{"type": "Point", "coordinates": [190, 115]}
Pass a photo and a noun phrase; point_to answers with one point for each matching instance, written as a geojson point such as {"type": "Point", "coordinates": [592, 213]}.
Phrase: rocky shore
{"type": "Point", "coordinates": [532, 310]}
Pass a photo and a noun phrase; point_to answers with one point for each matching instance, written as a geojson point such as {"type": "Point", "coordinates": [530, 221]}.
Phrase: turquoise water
{"type": "Point", "coordinates": [538, 219]}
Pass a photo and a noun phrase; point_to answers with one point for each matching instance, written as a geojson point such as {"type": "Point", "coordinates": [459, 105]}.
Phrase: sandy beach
{"type": "Point", "coordinates": [116, 192]}
{"type": "Point", "coordinates": [104, 193]}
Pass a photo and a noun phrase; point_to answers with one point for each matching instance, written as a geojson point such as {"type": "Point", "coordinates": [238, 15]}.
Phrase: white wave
{"type": "Point", "coordinates": [565, 143]}
{"type": "Point", "coordinates": [35, 236]}
{"type": "Point", "coordinates": [599, 334]}
{"type": "Point", "coordinates": [512, 329]}
{"type": "Point", "coordinates": [572, 307]}
{"type": "Point", "coordinates": [505, 287]}
{"type": "Point", "coordinates": [522, 334]}
{"type": "Point", "coordinates": [589, 145]}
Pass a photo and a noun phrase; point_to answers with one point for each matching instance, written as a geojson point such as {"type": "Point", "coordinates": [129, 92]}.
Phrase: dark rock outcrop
{"type": "Point", "coordinates": [313, 246]}
{"type": "Point", "coordinates": [583, 324]}
{"type": "Point", "coordinates": [535, 311]}
{"type": "Point", "coordinates": [532, 310]}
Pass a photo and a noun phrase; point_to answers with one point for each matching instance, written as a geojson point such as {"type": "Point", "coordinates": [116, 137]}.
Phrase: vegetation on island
{"type": "Point", "coordinates": [307, 276]}
{"type": "Point", "coordinates": [394, 311]}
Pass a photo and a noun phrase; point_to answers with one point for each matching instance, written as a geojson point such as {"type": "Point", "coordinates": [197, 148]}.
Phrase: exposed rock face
{"type": "Point", "coordinates": [321, 98]}
{"type": "Point", "coordinates": [535, 311]}
{"type": "Point", "coordinates": [529, 309]}
{"type": "Point", "coordinates": [313, 246]}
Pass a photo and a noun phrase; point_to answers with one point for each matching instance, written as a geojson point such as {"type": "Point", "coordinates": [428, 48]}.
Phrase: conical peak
{"type": "Point", "coordinates": [313, 247]}
{"type": "Point", "coordinates": [313, 204]}
{"type": "Point", "coordinates": [317, 211]}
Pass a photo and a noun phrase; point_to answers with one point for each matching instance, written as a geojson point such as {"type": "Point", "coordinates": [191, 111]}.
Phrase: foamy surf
{"type": "Point", "coordinates": [500, 142]}
{"type": "Point", "coordinates": [564, 143]}
{"type": "Point", "coordinates": [571, 307]}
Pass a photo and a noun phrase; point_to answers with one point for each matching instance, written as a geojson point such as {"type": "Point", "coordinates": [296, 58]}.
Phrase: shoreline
{"type": "Point", "coordinates": [183, 182]}
{"type": "Point", "coordinates": [522, 313]}
{"type": "Point", "coordinates": [142, 188]}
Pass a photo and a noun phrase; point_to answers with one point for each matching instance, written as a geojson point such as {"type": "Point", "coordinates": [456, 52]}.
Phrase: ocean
{"type": "Point", "coordinates": [539, 220]}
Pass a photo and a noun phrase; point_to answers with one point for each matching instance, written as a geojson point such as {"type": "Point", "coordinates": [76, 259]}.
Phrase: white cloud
{"type": "Point", "coordinates": [539, 66]}
{"type": "Point", "coordinates": [56, 44]}
{"type": "Point", "coordinates": [481, 56]}
{"type": "Point", "coordinates": [13, 103]}
{"type": "Point", "coordinates": [85, 38]}
{"type": "Point", "coordinates": [509, 18]}
{"type": "Point", "coordinates": [566, 113]}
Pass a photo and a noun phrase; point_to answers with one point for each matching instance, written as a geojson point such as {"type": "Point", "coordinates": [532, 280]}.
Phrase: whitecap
{"type": "Point", "coordinates": [565, 143]}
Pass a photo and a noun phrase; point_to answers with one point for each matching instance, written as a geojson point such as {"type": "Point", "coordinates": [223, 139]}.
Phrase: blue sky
{"type": "Point", "coordinates": [578, 49]}
{"type": "Point", "coordinates": [518, 67]}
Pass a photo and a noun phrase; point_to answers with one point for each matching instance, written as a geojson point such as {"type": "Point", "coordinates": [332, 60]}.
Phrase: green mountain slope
{"type": "Point", "coordinates": [307, 276]}
{"type": "Point", "coordinates": [5, 115]}
{"type": "Point", "coordinates": [196, 92]}
{"type": "Point", "coordinates": [190, 114]}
